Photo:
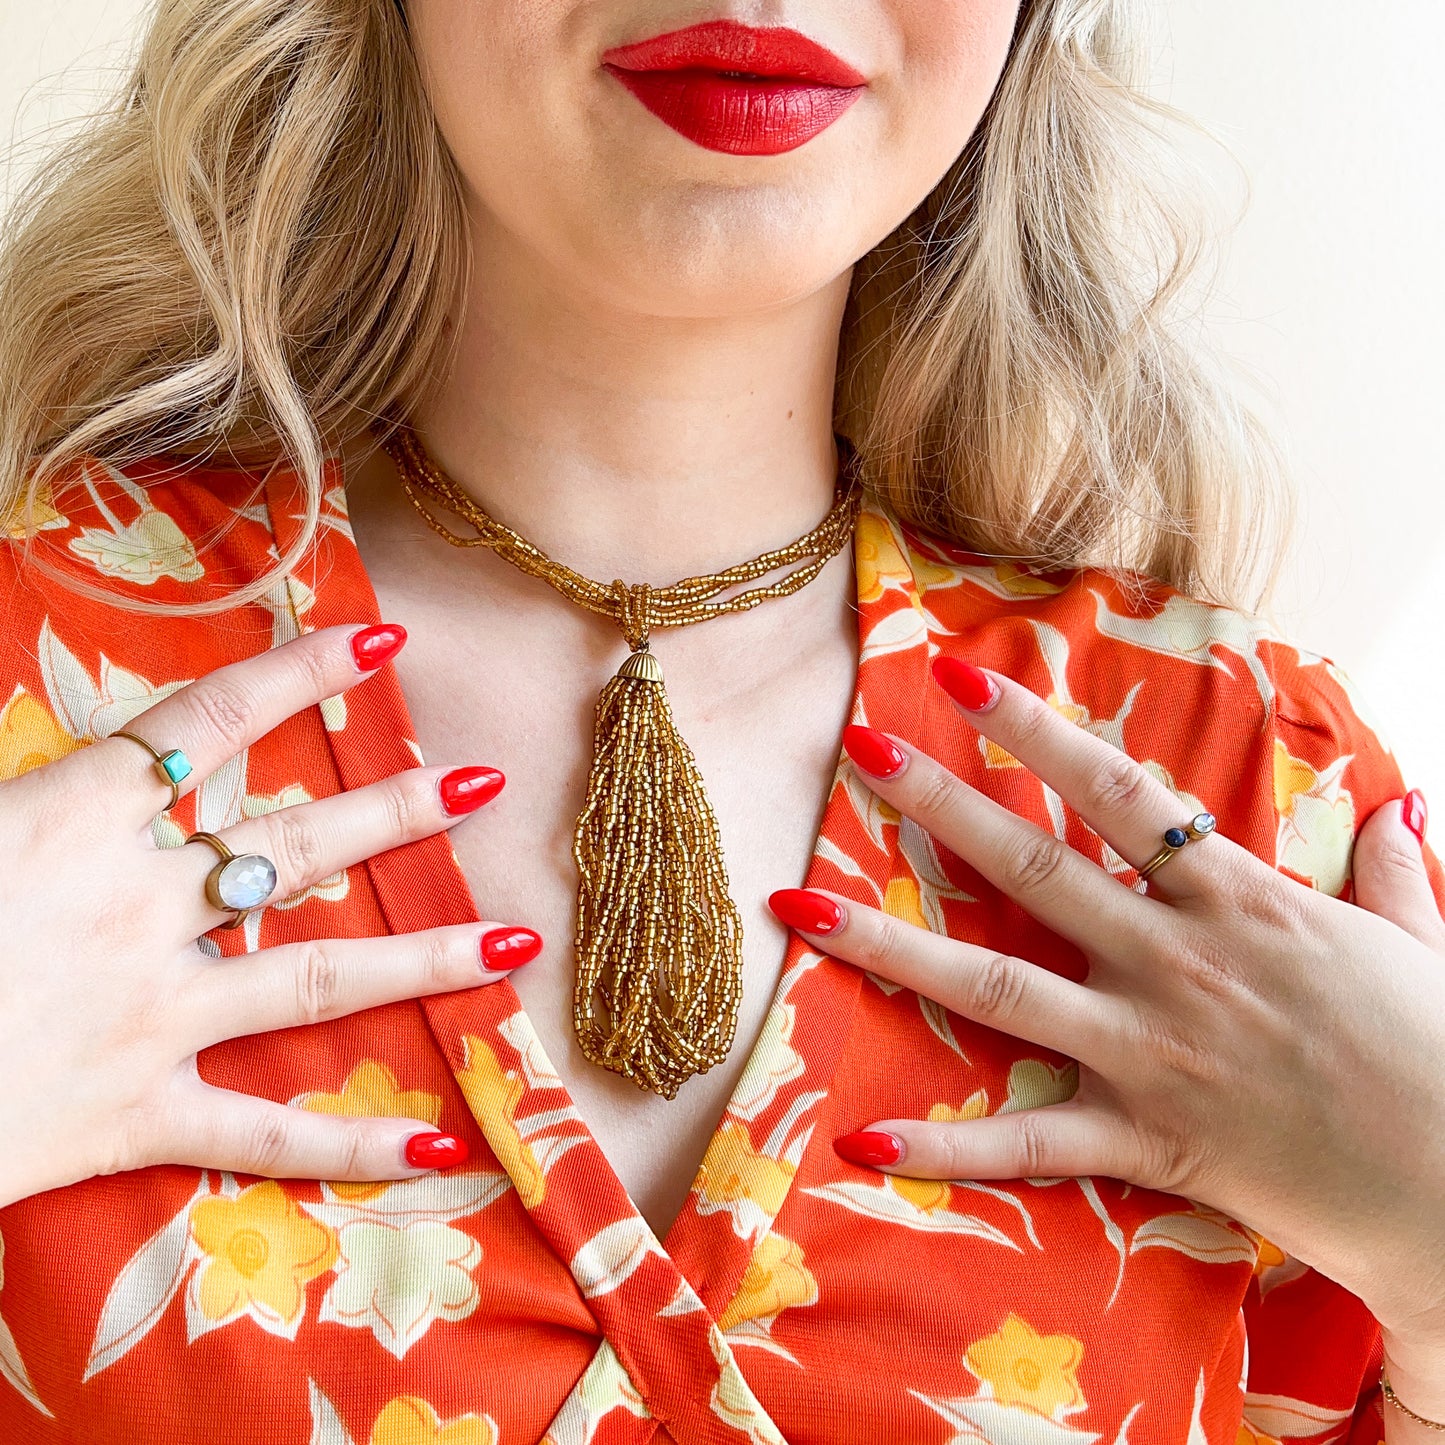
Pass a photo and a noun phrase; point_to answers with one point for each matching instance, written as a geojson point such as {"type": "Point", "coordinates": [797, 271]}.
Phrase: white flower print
{"type": "Point", "coordinates": [397, 1281]}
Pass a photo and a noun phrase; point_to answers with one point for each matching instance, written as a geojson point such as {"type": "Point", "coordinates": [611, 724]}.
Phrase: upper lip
{"type": "Point", "coordinates": [729, 45]}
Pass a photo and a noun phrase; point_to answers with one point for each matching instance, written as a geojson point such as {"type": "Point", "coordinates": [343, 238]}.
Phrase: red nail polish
{"type": "Point", "coordinates": [436, 1151]}
{"type": "Point", "coordinates": [876, 753]}
{"type": "Point", "coordinates": [1416, 814]}
{"type": "Point", "coordinates": [464, 790]}
{"type": "Point", "coordinates": [969, 686]}
{"type": "Point", "coordinates": [373, 646]}
{"type": "Point", "coordinates": [806, 911]}
{"type": "Point", "coordinates": [869, 1147]}
{"type": "Point", "coordinates": [508, 948]}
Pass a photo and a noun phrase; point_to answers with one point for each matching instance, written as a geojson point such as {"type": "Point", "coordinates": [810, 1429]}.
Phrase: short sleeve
{"type": "Point", "coordinates": [1314, 1348]}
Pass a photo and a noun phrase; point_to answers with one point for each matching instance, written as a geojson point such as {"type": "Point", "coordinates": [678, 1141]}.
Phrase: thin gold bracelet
{"type": "Point", "coordinates": [1400, 1405]}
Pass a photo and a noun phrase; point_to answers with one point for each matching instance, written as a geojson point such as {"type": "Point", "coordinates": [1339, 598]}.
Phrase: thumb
{"type": "Point", "coordinates": [1389, 870]}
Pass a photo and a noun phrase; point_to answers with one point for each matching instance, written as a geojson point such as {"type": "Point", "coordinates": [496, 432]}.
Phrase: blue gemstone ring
{"type": "Point", "coordinates": [1176, 838]}
{"type": "Point", "coordinates": [172, 768]}
{"type": "Point", "coordinates": [237, 884]}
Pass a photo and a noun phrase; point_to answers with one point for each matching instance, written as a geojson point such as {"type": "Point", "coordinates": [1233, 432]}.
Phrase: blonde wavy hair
{"type": "Point", "coordinates": [254, 250]}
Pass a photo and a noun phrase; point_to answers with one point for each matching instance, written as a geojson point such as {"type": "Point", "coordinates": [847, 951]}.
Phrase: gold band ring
{"type": "Point", "coordinates": [238, 883]}
{"type": "Point", "coordinates": [1176, 839]}
{"type": "Point", "coordinates": [172, 768]}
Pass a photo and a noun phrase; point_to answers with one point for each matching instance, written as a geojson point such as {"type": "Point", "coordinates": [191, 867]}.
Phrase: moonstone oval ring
{"type": "Point", "coordinates": [236, 884]}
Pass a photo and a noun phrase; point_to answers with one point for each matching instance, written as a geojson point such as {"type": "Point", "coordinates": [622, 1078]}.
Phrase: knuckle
{"type": "Point", "coordinates": [296, 848]}
{"type": "Point", "coordinates": [1117, 783]}
{"type": "Point", "coordinates": [1033, 863]}
{"type": "Point", "coordinates": [950, 1156]}
{"type": "Point", "coordinates": [1031, 720]}
{"type": "Point", "coordinates": [406, 799]}
{"type": "Point", "coordinates": [266, 1145]}
{"type": "Point", "coordinates": [220, 708]}
{"type": "Point", "coordinates": [318, 984]}
{"type": "Point", "coordinates": [1172, 1051]}
{"type": "Point", "coordinates": [890, 948]}
{"type": "Point", "coordinates": [996, 990]}
{"type": "Point", "coordinates": [1035, 1144]}
{"type": "Point", "coordinates": [315, 669]}
{"type": "Point", "coordinates": [1387, 866]}
{"type": "Point", "coordinates": [353, 1145]}
{"type": "Point", "coordinates": [439, 965]}
{"type": "Point", "coordinates": [937, 798]}
{"type": "Point", "coordinates": [1165, 1160]}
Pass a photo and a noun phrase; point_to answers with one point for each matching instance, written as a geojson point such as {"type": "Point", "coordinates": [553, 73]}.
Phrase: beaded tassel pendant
{"type": "Point", "coordinates": [659, 939]}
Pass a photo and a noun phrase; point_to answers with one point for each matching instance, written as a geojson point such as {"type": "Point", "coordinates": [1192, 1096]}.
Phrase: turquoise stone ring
{"type": "Point", "coordinates": [172, 768]}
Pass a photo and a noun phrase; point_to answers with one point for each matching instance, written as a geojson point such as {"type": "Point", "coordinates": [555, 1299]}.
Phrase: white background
{"type": "Point", "coordinates": [1330, 297]}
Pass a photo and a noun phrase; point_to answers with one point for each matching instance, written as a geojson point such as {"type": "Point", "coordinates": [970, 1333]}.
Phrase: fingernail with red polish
{"type": "Point", "coordinates": [464, 790]}
{"type": "Point", "coordinates": [869, 1147]}
{"type": "Point", "coordinates": [876, 753]}
{"type": "Point", "coordinates": [807, 911]}
{"type": "Point", "coordinates": [373, 646]}
{"type": "Point", "coordinates": [970, 687]}
{"type": "Point", "coordinates": [435, 1151]}
{"type": "Point", "coordinates": [1416, 814]}
{"type": "Point", "coordinates": [508, 948]}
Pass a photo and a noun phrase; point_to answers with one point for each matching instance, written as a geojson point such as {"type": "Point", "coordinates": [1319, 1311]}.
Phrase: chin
{"type": "Point", "coordinates": [710, 252]}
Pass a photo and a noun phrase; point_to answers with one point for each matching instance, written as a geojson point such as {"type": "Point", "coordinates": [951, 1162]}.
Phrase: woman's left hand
{"type": "Point", "coordinates": [1242, 1040]}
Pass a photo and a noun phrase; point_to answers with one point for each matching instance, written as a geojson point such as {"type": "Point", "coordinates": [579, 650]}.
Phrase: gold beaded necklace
{"type": "Point", "coordinates": [658, 938]}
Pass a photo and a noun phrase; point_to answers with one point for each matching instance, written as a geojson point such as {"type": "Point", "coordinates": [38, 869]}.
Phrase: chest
{"type": "Point", "coordinates": [486, 685]}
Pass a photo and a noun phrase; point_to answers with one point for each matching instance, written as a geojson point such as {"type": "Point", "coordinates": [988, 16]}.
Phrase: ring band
{"type": "Point", "coordinates": [239, 882]}
{"type": "Point", "coordinates": [1177, 839]}
{"type": "Point", "coordinates": [172, 768]}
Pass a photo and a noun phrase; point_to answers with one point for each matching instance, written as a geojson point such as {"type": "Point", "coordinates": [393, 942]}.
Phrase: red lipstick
{"type": "Point", "coordinates": [738, 88]}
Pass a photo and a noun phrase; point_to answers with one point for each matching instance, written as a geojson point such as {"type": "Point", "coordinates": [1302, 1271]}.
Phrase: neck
{"type": "Point", "coordinates": [643, 447]}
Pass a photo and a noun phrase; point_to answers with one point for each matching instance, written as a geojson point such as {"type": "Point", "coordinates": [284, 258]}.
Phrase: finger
{"type": "Point", "coordinates": [1058, 886]}
{"type": "Point", "coordinates": [1121, 801]}
{"type": "Point", "coordinates": [1059, 1141]}
{"type": "Point", "coordinates": [1389, 870]}
{"type": "Point", "coordinates": [995, 989]}
{"type": "Point", "coordinates": [310, 842]}
{"type": "Point", "coordinates": [213, 718]}
{"type": "Point", "coordinates": [316, 980]}
{"type": "Point", "coordinates": [213, 1128]}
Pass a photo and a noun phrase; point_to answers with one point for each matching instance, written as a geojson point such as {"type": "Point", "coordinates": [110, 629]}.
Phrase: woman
{"type": "Point", "coordinates": [611, 301]}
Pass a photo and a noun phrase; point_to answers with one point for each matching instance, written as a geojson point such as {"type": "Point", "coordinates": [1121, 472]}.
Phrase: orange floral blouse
{"type": "Point", "coordinates": [797, 1298]}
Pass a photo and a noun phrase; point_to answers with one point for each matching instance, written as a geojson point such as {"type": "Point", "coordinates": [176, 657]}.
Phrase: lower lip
{"type": "Point", "coordinates": [761, 117]}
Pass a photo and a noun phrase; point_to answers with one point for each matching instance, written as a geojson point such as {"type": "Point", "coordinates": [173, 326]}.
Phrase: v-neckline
{"type": "Point", "coordinates": [791, 1065]}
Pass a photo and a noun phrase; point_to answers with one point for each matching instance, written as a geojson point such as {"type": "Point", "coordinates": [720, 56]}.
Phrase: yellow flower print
{"type": "Point", "coordinates": [1023, 1367]}
{"type": "Point", "coordinates": [878, 558]}
{"type": "Point", "coordinates": [493, 1096]}
{"type": "Point", "coordinates": [30, 736]}
{"type": "Point", "coordinates": [1248, 1436]}
{"type": "Point", "coordinates": [928, 1195]}
{"type": "Point", "coordinates": [260, 1252]}
{"type": "Point", "coordinates": [775, 1280]}
{"type": "Point", "coordinates": [371, 1090]}
{"type": "Point", "coordinates": [409, 1420]}
{"type": "Point", "coordinates": [44, 517]}
{"type": "Point", "coordinates": [932, 1195]}
{"type": "Point", "coordinates": [902, 900]}
{"type": "Point", "coordinates": [1292, 778]}
{"type": "Point", "coordinates": [734, 1171]}
{"type": "Point", "coordinates": [973, 1107]}
{"type": "Point", "coordinates": [1019, 582]}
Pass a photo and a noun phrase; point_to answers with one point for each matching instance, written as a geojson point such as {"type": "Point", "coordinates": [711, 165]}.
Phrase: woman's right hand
{"type": "Point", "coordinates": [105, 994]}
